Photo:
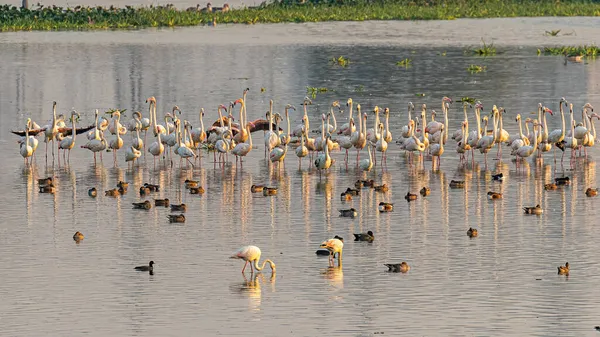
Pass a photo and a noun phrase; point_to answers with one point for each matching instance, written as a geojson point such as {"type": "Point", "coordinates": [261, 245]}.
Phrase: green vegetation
{"type": "Point", "coordinates": [341, 61]}
{"type": "Point", "coordinates": [589, 51]}
{"type": "Point", "coordinates": [474, 68]}
{"type": "Point", "coordinates": [484, 49]}
{"type": "Point", "coordinates": [57, 18]}
{"type": "Point", "coordinates": [553, 32]}
{"type": "Point", "coordinates": [313, 91]}
{"type": "Point", "coordinates": [468, 99]}
{"type": "Point", "coordinates": [406, 63]}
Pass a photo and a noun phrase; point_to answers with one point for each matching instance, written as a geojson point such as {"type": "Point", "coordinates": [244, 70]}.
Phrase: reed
{"type": "Point", "coordinates": [86, 18]}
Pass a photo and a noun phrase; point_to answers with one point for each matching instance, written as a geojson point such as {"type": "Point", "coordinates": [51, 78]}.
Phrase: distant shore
{"type": "Point", "coordinates": [98, 18]}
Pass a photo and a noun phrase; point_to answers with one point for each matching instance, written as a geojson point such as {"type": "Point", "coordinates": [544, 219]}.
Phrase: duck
{"type": "Point", "coordinates": [179, 218]}
{"type": "Point", "coordinates": [358, 184]}
{"type": "Point", "coordinates": [550, 187]}
{"type": "Point", "coordinates": [142, 205]}
{"type": "Point", "coordinates": [368, 183]}
{"type": "Point", "coordinates": [78, 236]}
{"type": "Point", "coordinates": [410, 197]}
{"type": "Point", "coordinates": [346, 196]}
{"type": "Point", "coordinates": [564, 270]}
{"type": "Point", "coordinates": [123, 184]}
{"type": "Point", "coordinates": [47, 189]}
{"type": "Point", "coordinates": [352, 191]}
{"type": "Point", "coordinates": [179, 208]}
{"type": "Point", "coordinates": [397, 267]}
{"type": "Point", "coordinates": [386, 207]}
{"type": "Point", "coordinates": [537, 210]}
{"type": "Point", "coordinates": [498, 177]}
{"type": "Point", "coordinates": [161, 202]}
{"type": "Point", "coordinates": [122, 190]}
{"type": "Point", "coordinates": [348, 213]}
{"type": "Point", "coordinates": [382, 188]}
{"type": "Point", "coordinates": [191, 183]}
{"type": "Point", "coordinates": [144, 190]}
{"type": "Point", "coordinates": [197, 190]}
{"type": "Point", "coordinates": [149, 267]}
{"type": "Point", "coordinates": [457, 184]}
{"type": "Point", "coordinates": [92, 192]}
{"type": "Point", "coordinates": [153, 188]}
{"type": "Point", "coordinates": [562, 181]}
{"type": "Point", "coordinates": [45, 181]}
{"type": "Point", "coordinates": [425, 191]}
{"type": "Point", "coordinates": [472, 232]}
{"type": "Point", "coordinates": [112, 193]}
{"type": "Point", "coordinates": [368, 236]}
{"type": "Point", "coordinates": [257, 188]}
{"type": "Point", "coordinates": [591, 192]}
{"type": "Point", "coordinates": [494, 195]}
{"type": "Point", "coordinates": [269, 191]}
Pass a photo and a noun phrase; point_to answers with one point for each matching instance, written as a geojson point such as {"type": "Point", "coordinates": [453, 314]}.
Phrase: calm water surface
{"type": "Point", "coordinates": [502, 283]}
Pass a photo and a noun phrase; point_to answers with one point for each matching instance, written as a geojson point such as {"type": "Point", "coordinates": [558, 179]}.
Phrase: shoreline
{"type": "Point", "coordinates": [110, 18]}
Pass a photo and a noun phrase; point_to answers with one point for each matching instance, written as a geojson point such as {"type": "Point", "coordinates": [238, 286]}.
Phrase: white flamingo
{"type": "Point", "coordinates": [242, 149]}
{"type": "Point", "coordinates": [382, 144]}
{"type": "Point", "coordinates": [284, 138]}
{"type": "Point", "coordinates": [131, 154]}
{"type": "Point", "coordinates": [198, 134]}
{"type": "Point", "coordinates": [50, 131]}
{"type": "Point", "coordinates": [367, 163]}
{"type": "Point", "coordinates": [436, 151]}
{"type": "Point", "coordinates": [323, 161]}
{"type": "Point", "coordinates": [156, 148]}
{"type": "Point", "coordinates": [271, 138]}
{"type": "Point", "coordinates": [557, 136]}
{"type": "Point", "coordinates": [346, 141]}
{"type": "Point", "coordinates": [348, 128]}
{"type": "Point", "coordinates": [251, 254]}
{"type": "Point", "coordinates": [527, 150]}
{"type": "Point", "coordinates": [116, 143]}
{"type": "Point", "coordinates": [305, 124]}
{"type": "Point", "coordinates": [302, 150]}
{"type": "Point", "coordinates": [570, 142]}
{"type": "Point", "coordinates": [68, 142]}
{"type": "Point", "coordinates": [458, 134]}
{"type": "Point", "coordinates": [25, 149]}
{"type": "Point", "coordinates": [358, 138]}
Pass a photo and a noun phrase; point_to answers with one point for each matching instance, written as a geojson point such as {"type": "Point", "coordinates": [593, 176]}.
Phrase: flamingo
{"type": "Point", "coordinates": [387, 133]}
{"type": "Point", "coordinates": [33, 142]}
{"type": "Point", "coordinates": [271, 138]}
{"type": "Point", "coordinates": [437, 150]}
{"type": "Point", "coordinates": [131, 154]}
{"type": "Point", "coordinates": [242, 149]}
{"type": "Point", "coordinates": [475, 135]}
{"type": "Point", "coordinates": [222, 145]}
{"type": "Point", "coordinates": [588, 141]}
{"type": "Point", "coordinates": [26, 149]}
{"type": "Point", "coordinates": [95, 145]}
{"type": "Point", "coordinates": [302, 150]}
{"type": "Point", "coordinates": [558, 135]}
{"type": "Point", "coordinates": [157, 128]}
{"type": "Point", "coordinates": [358, 138]}
{"type": "Point", "coordinates": [373, 134]}
{"type": "Point", "coordinates": [581, 130]}
{"type": "Point", "coordinates": [516, 141]}
{"type": "Point", "coordinates": [406, 128]}
{"type": "Point", "coordinates": [116, 143]}
{"type": "Point", "coordinates": [68, 142]}
{"type": "Point", "coordinates": [348, 128]}
{"type": "Point", "coordinates": [323, 161]}
{"type": "Point", "coordinates": [367, 163]}
{"type": "Point", "coordinates": [413, 143]}
{"type": "Point", "coordinates": [434, 126]}
{"type": "Point", "coordinates": [305, 124]}
{"type": "Point", "coordinates": [458, 134]}
{"type": "Point", "coordinates": [285, 138]}
{"type": "Point", "coordinates": [50, 131]}
{"type": "Point", "coordinates": [486, 142]}
{"type": "Point", "coordinates": [527, 150]}
{"type": "Point", "coordinates": [156, 148]}
{"type": "Point", "coordinates": [137, 142]}
{"type": "Point", "coordinates": [198, 134]}
{"type": "Point", "coordinates": [570, 142]}
{"type": "Point", "coordinates": [93, 134]}
{"type": "Point", "coordinates": [115, 124]}
{"type": "Point", "coordinates": [544, 146]}
{"type": "Point", "coordinates": [346, 141]}
{"type": "Point", "coordinates": [182, 150]}
{"type": "Point", "coordinates": [334, 246]}
{"type": "Point", "coordinates": [462, 146]}
{"type": "Point", "coordinates": [252, 254]}
{"type": "Point", "coordinates": [502, 135]}
{"type": "Point", "coordinates": [242, 135]}
{"type": "Point", "coordinates": [382, 144]}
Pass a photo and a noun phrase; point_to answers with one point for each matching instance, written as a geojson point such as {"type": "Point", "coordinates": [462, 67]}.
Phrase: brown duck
{"type": "Point", "coordinates": [142, 205]}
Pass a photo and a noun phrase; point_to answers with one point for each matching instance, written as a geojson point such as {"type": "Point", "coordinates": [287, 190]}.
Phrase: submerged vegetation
{"type": "Point", "coordinates": [58, 18]}
{"type": "Point", "coordinates": [485, 49]}
{"type": "Point", "coordinates": [313, 91]}
{"type": "Point", "coordinates": [474, 68]}
{"type": "Point", "coordinates": [406, 63]}
{"type": "Point", "coordinates": [589, 51]}
{"type": "Point", "coordinates": [341, 61]}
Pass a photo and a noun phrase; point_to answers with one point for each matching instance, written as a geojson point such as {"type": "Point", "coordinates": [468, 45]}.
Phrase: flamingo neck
{"type": "Point", "coordinates": [249, 136]}
{"type": "Point", "coordinates": [520, 129]}
{"type": "Point", "coordinates": [263, 265]}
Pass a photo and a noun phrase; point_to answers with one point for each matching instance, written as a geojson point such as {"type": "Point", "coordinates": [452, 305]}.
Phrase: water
{"type": "Point", "coordinates": [502, 283]}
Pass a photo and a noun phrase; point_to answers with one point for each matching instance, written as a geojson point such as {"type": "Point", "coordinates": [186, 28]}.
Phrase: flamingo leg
{"type": "Point", "coordinates": [245, 267]}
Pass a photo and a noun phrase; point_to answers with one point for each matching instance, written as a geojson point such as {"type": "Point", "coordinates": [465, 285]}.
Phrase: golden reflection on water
{"type": "Point", "coordinates": [251, 288]}
{"type": "Point", "coordinates": [334, 276]}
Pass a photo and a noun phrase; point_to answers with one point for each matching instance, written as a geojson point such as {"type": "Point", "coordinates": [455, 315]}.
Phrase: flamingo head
{"type": "Point", "coordinates": [478, 105]}
{"type": "Point", "coordinates": [246, 90]}
{"type": "Point", "coordinates": [588, 106]}
{"type": "Point", "coordinates": [151, 100]}
{"type": "Point", "coordinates": [563, 100]}
{"type": "Point", "coordinates": [176, 108]}
{"type": "Point", "coordinates": [376, 109]}
{"type": "Point", "coordinates": [548, 111]}
{"type": "Point", "coordinates": [336, 103]}
{"type": "Point", "coordinates": [202, 112]}
{"type": "Point", "coordinates": [595, 115]}
{"type": "Point", "coordinates": [306, 101]}
{"type": "Point", "coordinates": [386, 111]}
{"type": "Point", "coordinates": [239, 100]}
{"type": "Point", "coordinates": [518, 117]}
{"type": "Point", "coordinates": [411, 106]}
{"type": "Point", "coordinates": [571, 107]}
{"type": "Point", "coordinates": [289, 106]}
{"type": "Point", "coordinates": [447, 99]}
{"type": "Point", "coordinates": [349, 102]}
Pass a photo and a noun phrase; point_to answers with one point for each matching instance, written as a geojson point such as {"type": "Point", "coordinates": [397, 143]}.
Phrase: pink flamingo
{"type": "Point", "coordinates": [252, 254]}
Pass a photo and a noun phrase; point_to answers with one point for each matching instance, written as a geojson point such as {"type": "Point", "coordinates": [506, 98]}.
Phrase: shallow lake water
{"type": "Point", "coordinates": [503, 282]}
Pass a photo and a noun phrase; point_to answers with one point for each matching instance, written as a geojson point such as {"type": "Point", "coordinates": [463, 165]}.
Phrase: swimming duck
{"type": "Point", "coordinates": [368, 183]}
{"type": "Point", "coordinates": [352, 191]}
{"type": "Point", "coordinates": [346, 196]}
{"type": "Point", "coordinates": [457, 184]}
{"type": "Point", "coordinates": [176, 218]}
{"type": "Point", "coordinates": [123, 184]}
{"type": "Point", "coordinates": [153, 188]}
{"type": "Point", "coordinates": [178, 208]}
{"type": "Point", "coordinates": [122, 190]}
{"type": "Point", "coordinates": [149, 267]}
{"type": "Point", "coordinates": [78, 236]}
{"type": "Point", "coordinates": [368, 236]}
{"type": "Point", "coordinates": [494, 195]}
{"type": "Point", "coordinates": [397, 267]}
{"type": "Point", "coordinates": [142, 205]}
{"type": "Point", "coordinates": [472, 232]}
{"type": "Point", "coordinates": [562, 181]}
{"type": "Point", "coordinates": [161, 202]}
{"type": "Point", "coordinates": [498, 177]}
{"type": "Point", "coordinates": [47, 189]}
{"type": "Point", "coordinates": [197, 190]}
{"type": "Point", "coordinates": [385, 207]}
{"type": "Point", "coordinates": [383, 188]}
{"type": "Point", "coordinates": [112, 193]}
{"type": "Point", "coordinates": [269, 191]}
{"type": "Point", "coordinates": [410, 197]}
{"type": "Point", "coordinates": [564, 270]}
{"type": "Point", "coordinates": [591, 192]}
{"type": "Point", "coordinates": [537, 210]}
{"type": "Point", "coordinates": [144, 190]}
{"type": "Point", "coordinates": [358, 184]}
{"type": "Point", "coordinates": [45, 181]}
{"type": "Point", "coordinates": [92, 192]}
{"type": "Point", "coordinates": [425, 191]}
{"type": "Point", "coordinates": [349, 213]}
{"type": "Point", "coordinates": [550, 187]}
{"type": "Point", "coordinates": [191, 183]}
{"type": "Point", "coordinates": [257, 188]}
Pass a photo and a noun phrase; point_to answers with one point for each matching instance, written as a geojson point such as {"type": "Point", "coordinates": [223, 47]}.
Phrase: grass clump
{"type": "Point", "coordinates": [485, 49]}
{"type": "Point", "coordinates": [406, 63]}
{"type": "Point", "coordinates": [313, 91]}
{"type": "Point", "coordinates": [552, 32]}
{"type": "Point", "coordinates": [588, 51]}
{"type": "Point", "coordinates": [340, 61]}
{"type": "Point", "coordinates": [474, 68]}
{"type": "Point", "coordinates": [85, 18]}
{"type": "Point", "coordinates": [467, 99]}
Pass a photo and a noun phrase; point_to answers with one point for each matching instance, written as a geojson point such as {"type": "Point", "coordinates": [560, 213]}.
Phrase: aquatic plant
{"type": "Point", "coordinates": [589, 51]}
{"type": "Point", "coordinates": [406, 63]}
{"type": "Point", "coordinates": [553, 32]}
{"type": "Point", "coordinates": [474, 68]}
{"type": "Point", "coordinates": [313, 91]}
{"type": "Point", "coordinates": [468, 100]}
{"type": "Point", "coordinates": [341, 61]}
{"type": "Point", "coordinates": [85, 18]}
{"type": "Point", "coordinates": [359, 88]}
{"type": "Point", "coordinates": [485, 49]}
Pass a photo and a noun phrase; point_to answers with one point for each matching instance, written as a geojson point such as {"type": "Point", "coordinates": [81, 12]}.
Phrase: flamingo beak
{"type": "Point", "coordinates": [549, 111]}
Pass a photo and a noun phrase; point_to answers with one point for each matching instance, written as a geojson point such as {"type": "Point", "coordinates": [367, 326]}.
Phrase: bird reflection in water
{"type": "Point", "coordinates": [334, 275]}
{"type": "Point", "coordinates": [252, 288]}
